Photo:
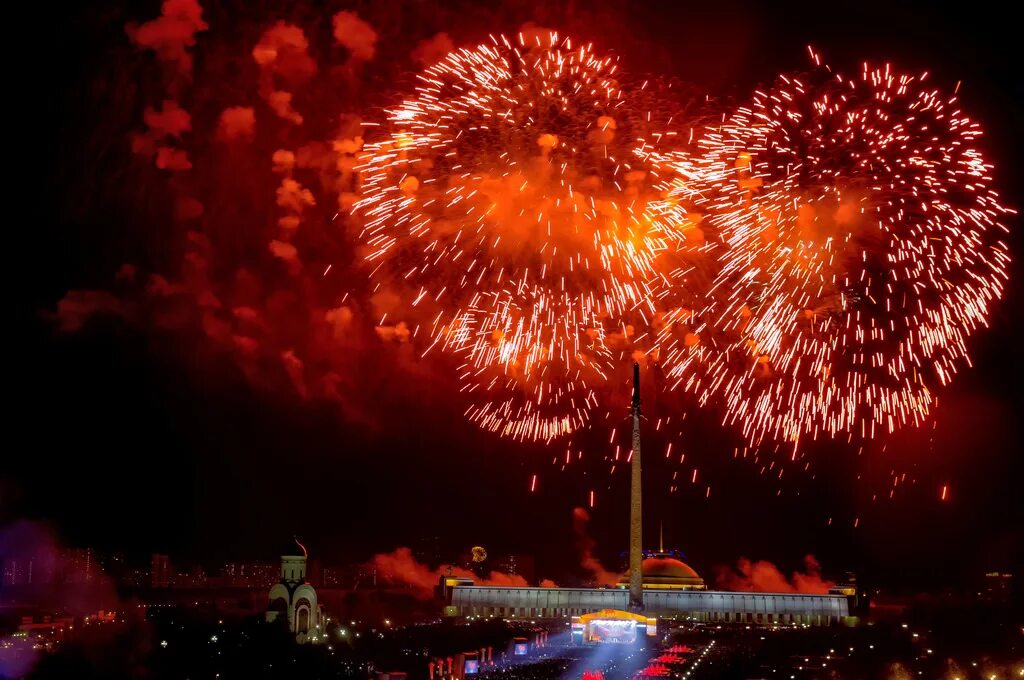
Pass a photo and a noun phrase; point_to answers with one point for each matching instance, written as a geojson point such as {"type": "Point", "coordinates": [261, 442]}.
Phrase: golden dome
{"type": "Point", "coordinates": [662, 571]}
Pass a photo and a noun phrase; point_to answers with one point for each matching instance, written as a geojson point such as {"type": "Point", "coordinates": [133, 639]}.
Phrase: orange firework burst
{"type": "Point", "coordinates": [509, 211]}
{"type": "Point", "coordinates": [858, 245]}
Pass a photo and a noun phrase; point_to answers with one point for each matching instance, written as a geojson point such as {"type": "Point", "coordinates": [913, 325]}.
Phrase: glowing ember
{"type": "Point", "coordinates": [858, 245]}
{"type": "Point", "coordinates": [508, 207]}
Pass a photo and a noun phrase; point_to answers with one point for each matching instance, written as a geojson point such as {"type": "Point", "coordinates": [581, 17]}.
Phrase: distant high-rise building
{"type": "Point", "coordinates": [338, 577]}
{"type": "Point", "coordinates": [38, 567]}
{"type": "Point", "coordinates": [232, 574]}
{"type": "Point", "coordinates": [79, 565]}
{"type": "Point", "coordinates": [17, 571]}
{"type": "Point", "coordinates": [998, 587]}
{"type": "Point", "coordinates": [250, 574]}
{"type": "Point", "coordinates": [134, 577]}
{"type": "Point", "coordinates": [45, 567]}
{"type": "Point", "coordinates": [193, 578]}
{"type": "Point", "coordinates": [160, 571]}
{"type": "Point", "coordinates": [517, 565]}
{"type": "Point", "coordinates": [113, 564]}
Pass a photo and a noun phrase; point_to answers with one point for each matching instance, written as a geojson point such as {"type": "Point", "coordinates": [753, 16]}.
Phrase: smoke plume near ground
{"type": "Point", "coordinates": [586, 545]}
{"type": "Point", "coordinates": [403, 569]}
{"type": "Point", "coordinates": [763, 576]}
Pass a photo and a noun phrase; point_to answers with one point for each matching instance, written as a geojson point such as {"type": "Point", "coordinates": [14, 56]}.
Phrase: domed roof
{"type": "Point", "coordinates": [664, 571]}
{"type": "Point", "coordinates": [667, 567]}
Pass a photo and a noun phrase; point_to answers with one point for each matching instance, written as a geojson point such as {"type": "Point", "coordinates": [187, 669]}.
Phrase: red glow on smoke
{"type": "Point", "coordinates": [763, 576]}
{"type": "Point", "coordinates": [402, 569]}
{"type": "Point", "coordinates": [585, 544]}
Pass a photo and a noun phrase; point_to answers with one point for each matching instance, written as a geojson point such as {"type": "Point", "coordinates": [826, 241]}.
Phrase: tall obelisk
{"type": "Point", "coordinates": [636, 555]}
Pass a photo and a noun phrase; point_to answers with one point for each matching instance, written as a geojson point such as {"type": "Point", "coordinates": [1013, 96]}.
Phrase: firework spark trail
{"type": "Point", "coordinates": [815, 259]}
{"type": "Point", "coordinates": [859, 244]}
{"type": "Point", "coordinates": [509, 199]}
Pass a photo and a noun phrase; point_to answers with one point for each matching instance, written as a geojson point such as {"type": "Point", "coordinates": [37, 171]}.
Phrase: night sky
{"type": "Point", "coordinates": [125, 437]}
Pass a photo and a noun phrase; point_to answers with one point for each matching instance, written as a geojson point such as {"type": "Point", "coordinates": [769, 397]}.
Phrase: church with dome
{"type": "Point", "coordinates": [295, 600]}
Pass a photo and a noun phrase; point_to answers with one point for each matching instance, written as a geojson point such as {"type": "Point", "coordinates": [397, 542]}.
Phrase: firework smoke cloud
{"type": "Point", "coordinates": [525, 216]}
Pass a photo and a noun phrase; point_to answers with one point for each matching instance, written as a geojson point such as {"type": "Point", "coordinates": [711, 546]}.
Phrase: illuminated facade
{"type": "Point", "coordinates": [671, 590]}
{"type": "Point", "coordinates": [295, 599]}
{"type": "Point", "coordinates": [159, 571]}
{"type": "Point", "coordinates": [694, 605]}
